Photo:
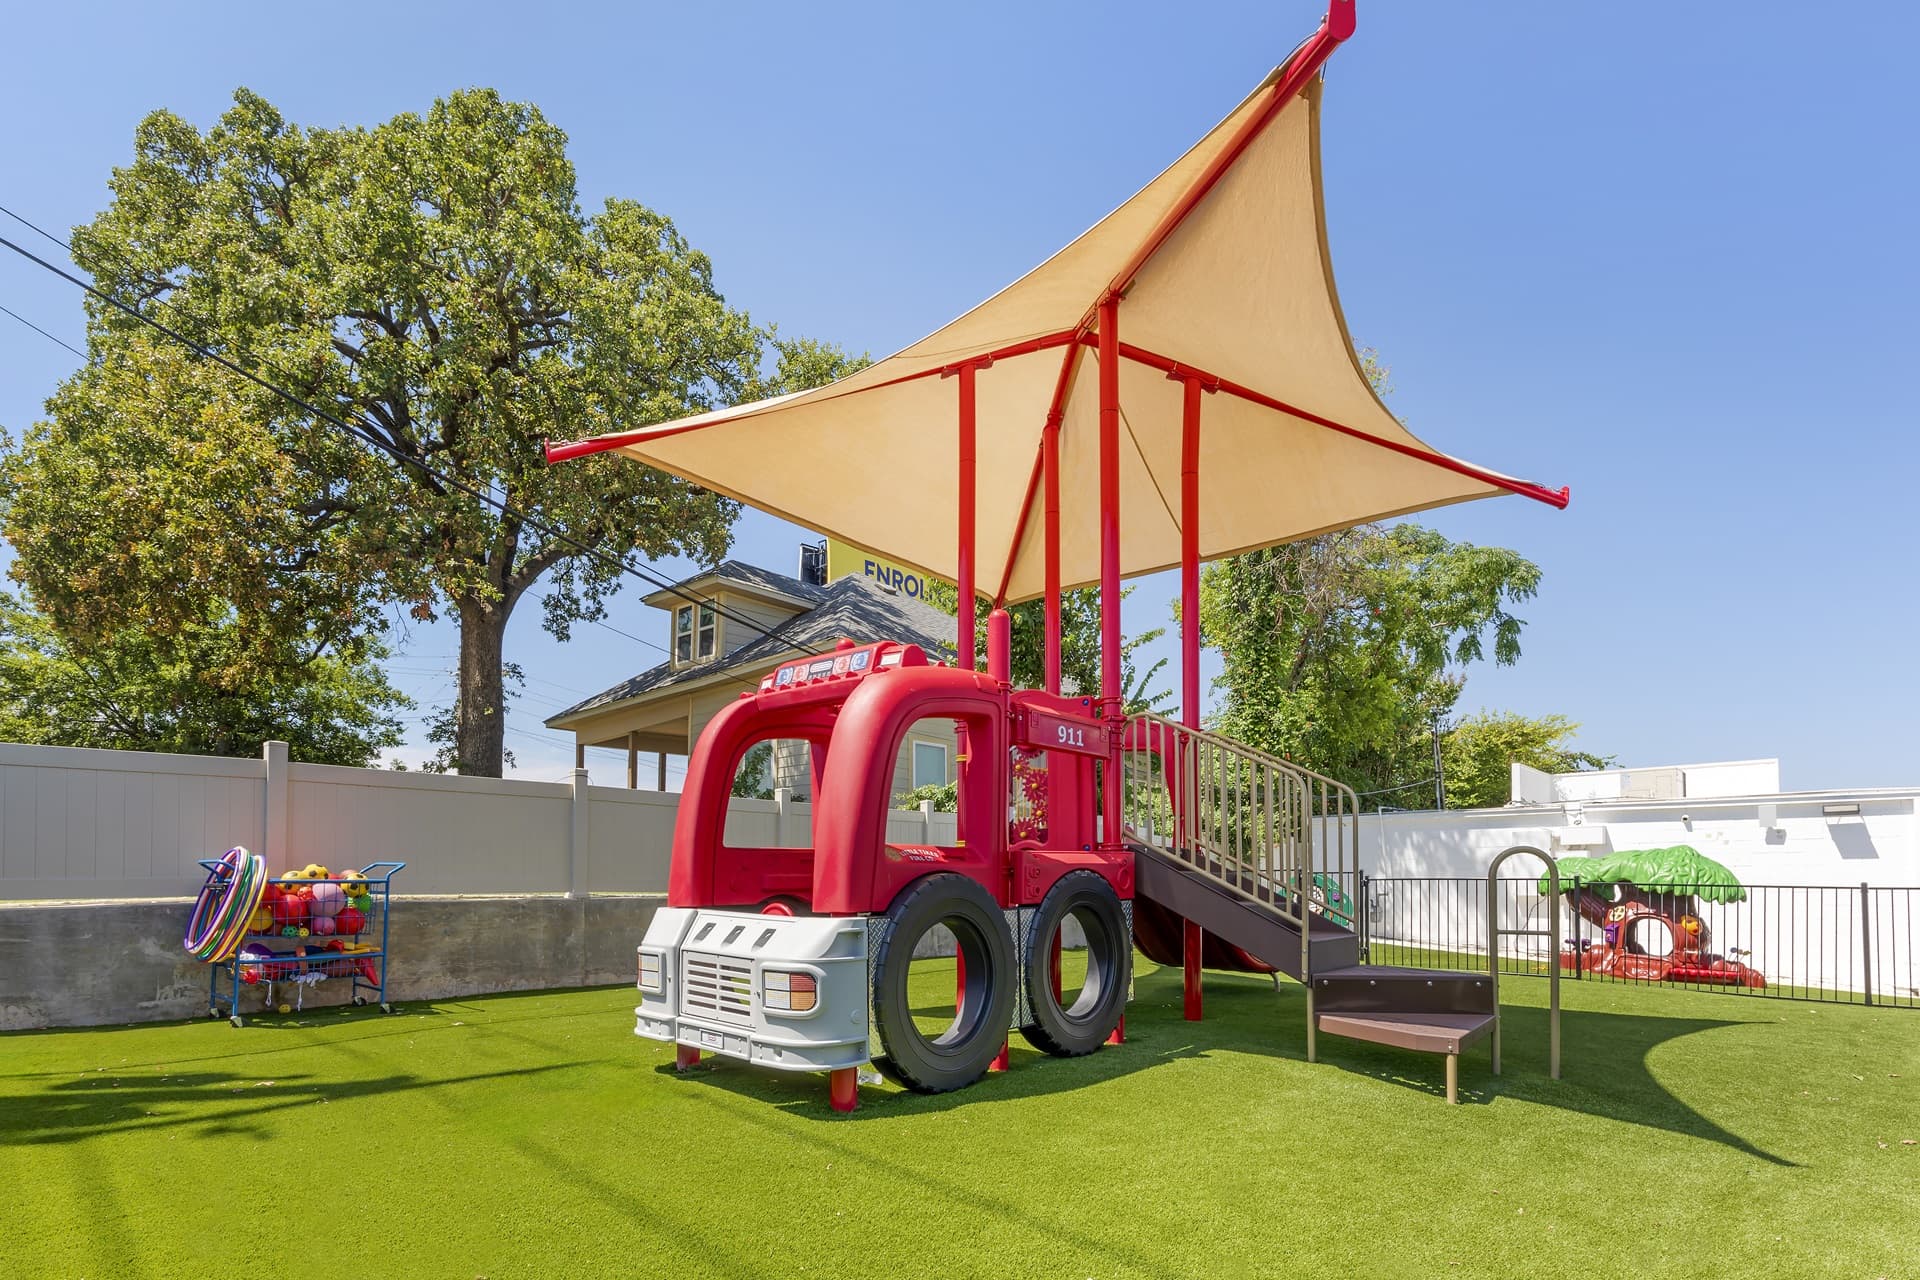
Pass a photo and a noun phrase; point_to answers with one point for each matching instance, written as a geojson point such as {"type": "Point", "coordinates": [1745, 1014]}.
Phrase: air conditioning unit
{"type": "Point", "coordinates": [1653, 784]}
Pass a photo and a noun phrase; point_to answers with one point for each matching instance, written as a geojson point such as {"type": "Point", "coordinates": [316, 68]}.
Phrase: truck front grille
{"type": "Point", "coordinates": [718, 988]}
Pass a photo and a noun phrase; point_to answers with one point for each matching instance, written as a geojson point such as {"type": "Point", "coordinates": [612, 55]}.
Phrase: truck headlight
{"type": "Point", "coordinates": [650, 971]}
{"type": "Point", "coordinates": [789, 992]}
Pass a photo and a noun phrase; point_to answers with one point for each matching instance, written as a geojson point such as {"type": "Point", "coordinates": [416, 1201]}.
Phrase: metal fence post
{"type": "Point", "coordinates": [926, 822]}
{"type": "Point", "coordinates": [1866, 942]}
{"type": "Point", "coordinates": [1360, 913]}
{"type": "Point", "coordinates": [781, 796]}
{"type": "Point", "coordinates": [1579, 936]}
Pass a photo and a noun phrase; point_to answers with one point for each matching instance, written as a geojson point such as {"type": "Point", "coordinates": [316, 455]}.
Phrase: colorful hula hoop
{"type": "Point", "coordinates": [227, 901]}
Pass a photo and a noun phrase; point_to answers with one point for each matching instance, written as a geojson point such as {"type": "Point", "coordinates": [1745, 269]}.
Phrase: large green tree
{"type": "Point", "coordinates": [1476, 755]}
{"type": "Point", "coordinates": [1079, 646]}
{"type": "Point", "coordinates": [206, 689]}
{"type": "Point", "coordinates": [1343, 651]}
{"type": "Point", "coordinates": [433, 278]}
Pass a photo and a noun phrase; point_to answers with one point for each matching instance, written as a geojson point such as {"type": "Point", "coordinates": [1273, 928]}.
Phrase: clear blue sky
{"type": "Point", "coordinates": [1665, 255]}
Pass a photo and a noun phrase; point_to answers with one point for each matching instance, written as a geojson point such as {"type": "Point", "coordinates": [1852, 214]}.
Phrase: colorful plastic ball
{"type": "Point", "coordinates": [364, 901]}
{"type": "Point", "coordinates": [323, 924]}
{"type": "Point", "coordinates": [350, 920]}
{"type": "Point", "coordinates": [261, 921]}
{"type": "Point", "coordinates": [327, 899]}
{"type": "Point", "coordinates": [291, 931]}
{"type": "Point", "coordinates": [351, 882]}
{"type": "Point", "coordinates": [286, 1008]}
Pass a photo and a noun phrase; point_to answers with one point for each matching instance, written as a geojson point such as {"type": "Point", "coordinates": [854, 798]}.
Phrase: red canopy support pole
{"type": "Point", "coordinates": [1110, 562]}
{"type": "Point", "coordinates": [1190, 555]}
{"type": "Point", "coordinates": [1050, 483]}
{"type": "Point", "coordinates": [1000, 667]}
{"type": "Point", "coordinates": [964, 559]}
{"type": "Point", "coordinates": [1192, 939]}
{"type": "Point", "coordinates": [1000, 646]}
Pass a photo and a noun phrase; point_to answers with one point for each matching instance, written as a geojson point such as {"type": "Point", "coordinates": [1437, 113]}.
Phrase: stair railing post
{"type": "Point", "coordinates": [1553, 974]}
{"type": "Point", "coordinates": [1494, 933]}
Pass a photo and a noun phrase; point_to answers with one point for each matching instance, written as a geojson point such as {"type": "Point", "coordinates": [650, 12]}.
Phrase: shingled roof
{"type": "Point", "coordinates": [853, 607]}
{"type": "Point", "coordinates": [738, 573]}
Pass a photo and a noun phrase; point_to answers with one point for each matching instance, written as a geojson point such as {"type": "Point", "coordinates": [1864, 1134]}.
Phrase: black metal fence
{"type": "Point", "coordinates": [1845, 944]}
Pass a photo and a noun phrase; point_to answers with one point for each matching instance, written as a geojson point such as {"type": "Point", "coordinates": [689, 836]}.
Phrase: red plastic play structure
{"type": "Point", "coordinates": [1651, 941]}
{"type": "Point", "coordinates": [1202, 851]}
{"type": "Point", "coordinates": [855, 725]}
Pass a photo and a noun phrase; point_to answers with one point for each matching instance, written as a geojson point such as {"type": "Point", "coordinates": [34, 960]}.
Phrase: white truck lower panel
{"type": "Point", "coordinates": [704, 983]}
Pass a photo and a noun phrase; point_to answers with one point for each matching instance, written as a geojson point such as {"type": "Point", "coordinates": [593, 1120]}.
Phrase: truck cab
{"type": "Point", "coordinates": [797, 958]}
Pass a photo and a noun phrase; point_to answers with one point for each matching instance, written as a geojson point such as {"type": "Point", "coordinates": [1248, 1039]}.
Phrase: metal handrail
{"type": "Point", "coordinates": [1495, 933]}
{"type": "Point", "coordinates": [1265, 828]}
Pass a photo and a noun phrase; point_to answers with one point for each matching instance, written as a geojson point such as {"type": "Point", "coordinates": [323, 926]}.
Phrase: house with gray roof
{"type": "Point", "coordinates": [727, 627]}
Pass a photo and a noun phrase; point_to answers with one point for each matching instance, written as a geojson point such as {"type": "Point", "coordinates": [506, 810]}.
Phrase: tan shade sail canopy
{"type": "Point", "coordinates": [1221, 270]}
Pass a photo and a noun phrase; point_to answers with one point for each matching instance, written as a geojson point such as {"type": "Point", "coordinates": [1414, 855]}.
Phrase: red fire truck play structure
{"type": "Point", "coordinates": [1195, 848]}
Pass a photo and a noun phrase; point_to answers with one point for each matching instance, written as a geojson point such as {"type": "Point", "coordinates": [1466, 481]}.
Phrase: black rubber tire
{"type": "Point", "coordinates": [962, 1054]}
{"type": "Point", "coordinates": [1085, 1025]}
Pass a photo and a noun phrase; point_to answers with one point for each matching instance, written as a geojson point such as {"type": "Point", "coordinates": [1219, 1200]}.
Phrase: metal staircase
{"type": "Point", "coordinates": [1255, 849]}
{"type": "Point", "coordinates": [1264, 856]}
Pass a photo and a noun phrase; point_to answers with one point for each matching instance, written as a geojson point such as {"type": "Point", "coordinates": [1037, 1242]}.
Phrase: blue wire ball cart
{"type": "Point", "coordinates": [306, 932]}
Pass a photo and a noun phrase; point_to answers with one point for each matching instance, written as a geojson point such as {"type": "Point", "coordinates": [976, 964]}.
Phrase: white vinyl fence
{"type": "Point", "coordinates": [85, 824]}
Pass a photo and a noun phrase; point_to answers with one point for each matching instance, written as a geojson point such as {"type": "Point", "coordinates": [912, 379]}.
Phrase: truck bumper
{"type": "Point", "coordinates": [704, 983]}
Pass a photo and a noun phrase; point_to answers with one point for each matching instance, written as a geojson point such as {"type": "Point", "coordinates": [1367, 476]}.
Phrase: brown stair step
{"type": "Point", "coordinates": [1425, 1032]}
{"type": "Point", "coordinates": [1395, 989]}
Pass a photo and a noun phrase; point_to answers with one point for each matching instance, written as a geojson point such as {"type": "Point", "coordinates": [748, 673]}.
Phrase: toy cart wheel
{"type": "Point", "coordinates": [385, 1007]}
{"type": "Point", "coordinates": [212, 1012]}
{"type": "Point", "coordinates": [359, 999]}
{"type": "Point", "coordinates": [237, 1020]}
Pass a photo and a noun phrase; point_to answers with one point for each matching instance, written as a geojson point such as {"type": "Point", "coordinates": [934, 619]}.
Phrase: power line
{"type": "Point", "coordinates": [608, 626]}
{"type": "Point", "coordinates": [43, 333]}
{"type": "Point", "coordinates": [368, 433]}
{"type": "Point", "coordinates": [1405, 786]}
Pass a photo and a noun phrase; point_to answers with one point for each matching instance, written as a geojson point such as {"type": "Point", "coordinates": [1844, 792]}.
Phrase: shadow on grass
{"type": "Point", "coordinates": [958, 1191]}
{"type": "Point", "coordinates": [250, 1043]}
{"type": "Point", "coordinates": [1604, 1059]}
{"type": "Point", "coordinates": [212, 1103]}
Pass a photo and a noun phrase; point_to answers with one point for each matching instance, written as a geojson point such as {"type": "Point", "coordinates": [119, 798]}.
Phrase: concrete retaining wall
{"type": "Point", "coordinates": [80, 964]}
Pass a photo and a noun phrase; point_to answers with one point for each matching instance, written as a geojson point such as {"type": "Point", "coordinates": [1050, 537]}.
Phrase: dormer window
{"type": "Point", "coordinates": [696, 633]}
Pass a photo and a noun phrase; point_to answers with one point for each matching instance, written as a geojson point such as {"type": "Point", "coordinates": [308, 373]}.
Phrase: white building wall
{"type": "Point", "coordinates": [1779, 839]}
{"type": "Point", "coordinates": [1803, 857]}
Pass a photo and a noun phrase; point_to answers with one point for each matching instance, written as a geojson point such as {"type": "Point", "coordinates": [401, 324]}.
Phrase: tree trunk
{"type": "Point", "coordinates": [480, 736]}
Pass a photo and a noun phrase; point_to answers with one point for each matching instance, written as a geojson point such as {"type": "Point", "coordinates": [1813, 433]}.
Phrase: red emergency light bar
{"type": "Point", "coordinates": [848, 661]}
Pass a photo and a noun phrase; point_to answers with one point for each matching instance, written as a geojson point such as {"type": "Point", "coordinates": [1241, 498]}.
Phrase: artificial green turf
{"type": "Point", "coordinates": [1694, 1135]}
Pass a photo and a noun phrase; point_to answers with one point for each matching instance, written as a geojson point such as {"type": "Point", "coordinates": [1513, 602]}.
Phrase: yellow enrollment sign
{"type": "Point", "coordinates": [844, 560]}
